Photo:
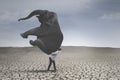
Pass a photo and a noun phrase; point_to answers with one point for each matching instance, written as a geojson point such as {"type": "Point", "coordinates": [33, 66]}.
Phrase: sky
{"type": "Point", "coordinates": [83, 22]}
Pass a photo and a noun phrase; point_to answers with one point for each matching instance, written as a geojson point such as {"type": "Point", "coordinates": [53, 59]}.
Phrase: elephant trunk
{"type": "Point", "coordinates": [36, 12]}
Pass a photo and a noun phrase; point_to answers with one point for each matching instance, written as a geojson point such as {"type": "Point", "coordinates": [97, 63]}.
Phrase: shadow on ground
{"type": "Point", "coordinates": [37, 71]}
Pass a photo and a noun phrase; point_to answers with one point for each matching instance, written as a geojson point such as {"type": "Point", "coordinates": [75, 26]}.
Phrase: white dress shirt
{"type": "Point", "coordinates": [53, 55]}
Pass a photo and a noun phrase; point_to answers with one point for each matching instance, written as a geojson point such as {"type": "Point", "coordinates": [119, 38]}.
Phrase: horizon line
{"type": "Point", "coordinates": [62, 46]}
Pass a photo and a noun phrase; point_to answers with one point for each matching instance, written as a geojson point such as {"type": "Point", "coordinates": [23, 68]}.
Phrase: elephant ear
{"type": "Point", "coordinates": [51, 18]}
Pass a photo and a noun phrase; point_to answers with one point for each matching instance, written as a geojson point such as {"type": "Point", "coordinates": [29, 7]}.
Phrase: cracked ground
{"type": "Point", "coordinates": [73, 63]}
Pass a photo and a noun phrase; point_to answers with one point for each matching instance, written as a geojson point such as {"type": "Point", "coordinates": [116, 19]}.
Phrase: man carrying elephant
{"type": "Point", "coordinates": [49, 35]}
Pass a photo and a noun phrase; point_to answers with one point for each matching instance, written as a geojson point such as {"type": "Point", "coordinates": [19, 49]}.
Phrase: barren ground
{"type": "Point", "coordinates": [73, 63]}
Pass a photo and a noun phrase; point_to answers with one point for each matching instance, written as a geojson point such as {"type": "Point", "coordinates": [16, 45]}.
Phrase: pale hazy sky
{"type": "Point", "coordinates": [83, 22]}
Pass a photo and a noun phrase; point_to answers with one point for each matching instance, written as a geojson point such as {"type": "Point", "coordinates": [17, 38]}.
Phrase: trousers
{"type": "Point", "coordinates": [50, 63]}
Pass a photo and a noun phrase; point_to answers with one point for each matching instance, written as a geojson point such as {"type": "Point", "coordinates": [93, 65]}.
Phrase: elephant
{"type": "Point", "coordinates": [49, 34]}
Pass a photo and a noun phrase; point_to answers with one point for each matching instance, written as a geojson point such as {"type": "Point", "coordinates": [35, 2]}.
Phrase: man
{"type": "Point", "coordinates": [52, 59]}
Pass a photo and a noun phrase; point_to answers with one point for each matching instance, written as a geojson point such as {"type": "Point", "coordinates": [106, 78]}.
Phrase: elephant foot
{"type": "Point", "coordinates": [23, 35]}
{"type": "Point", "coordinates": [32, 42]}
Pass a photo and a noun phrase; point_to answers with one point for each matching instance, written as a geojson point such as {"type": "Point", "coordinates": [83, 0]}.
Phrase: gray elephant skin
{"type": "Point", "coordinates": [49, 35]}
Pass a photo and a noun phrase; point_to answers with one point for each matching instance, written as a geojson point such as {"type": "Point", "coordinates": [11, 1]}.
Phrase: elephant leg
{"type": "Point", "coordinates": [34, 31]}
{"type": "Point", "coordinates": [40, 44]}
{"type": "Point", "coordinates": [32, 43]}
